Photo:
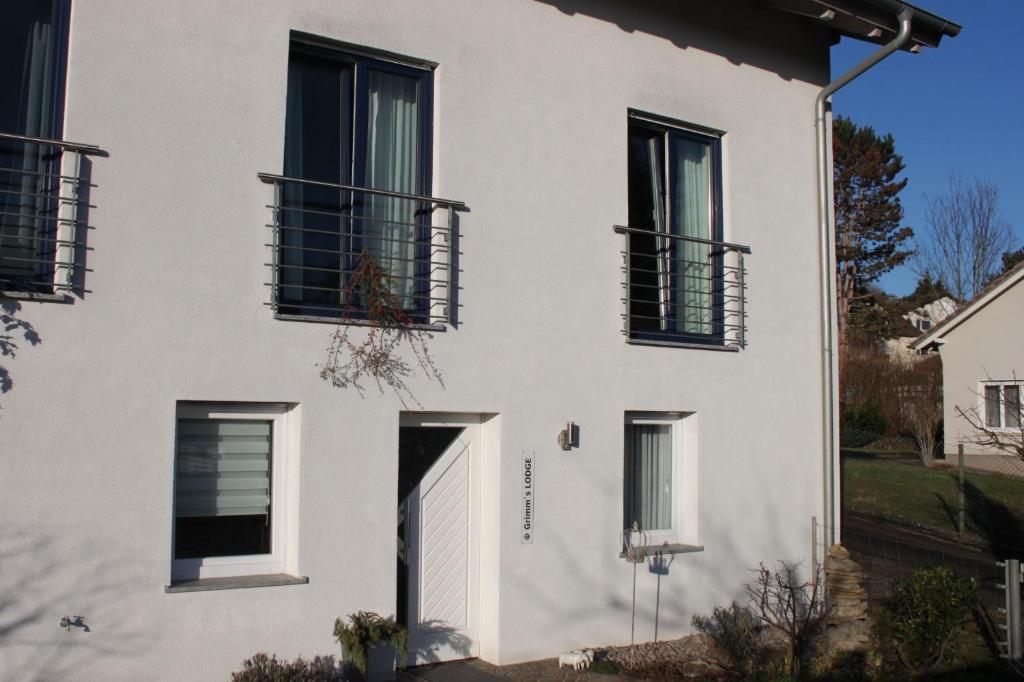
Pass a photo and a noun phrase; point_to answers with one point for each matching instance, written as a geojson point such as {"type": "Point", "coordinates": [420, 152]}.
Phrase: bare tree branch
{"type": "Point", "coordinates": [965, 236]}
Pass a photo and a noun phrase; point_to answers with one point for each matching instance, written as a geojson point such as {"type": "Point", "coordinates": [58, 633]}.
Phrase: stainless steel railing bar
{"type": "Point", "coordinates": [698, 240]}
{"type": "Point", "coordinates": [272, 178]}
{"type": "Point", "coordinates": [342, 233]}
{"type": "Point", "coordinates": [63, 144]}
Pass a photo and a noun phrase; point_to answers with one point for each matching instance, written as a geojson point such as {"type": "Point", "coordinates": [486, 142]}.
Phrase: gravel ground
{"type": "Point", "coordinates": [686, 658]}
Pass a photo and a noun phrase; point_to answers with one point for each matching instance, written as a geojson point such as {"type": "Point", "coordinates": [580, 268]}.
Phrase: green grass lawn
{"type": "Point", "coordinates": [907, 492]}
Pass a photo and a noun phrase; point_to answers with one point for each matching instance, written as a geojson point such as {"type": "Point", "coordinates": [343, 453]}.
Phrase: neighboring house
{"type": "Point", "coordinates": [919, 320]}
{"type": "Point", "coordinates": [176, 476]}
{"type": "Point", "coordinates": [983, 369]}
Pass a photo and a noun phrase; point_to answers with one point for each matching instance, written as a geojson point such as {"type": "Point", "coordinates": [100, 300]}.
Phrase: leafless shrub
{"type": "Point", "coordinates": [793, 608]}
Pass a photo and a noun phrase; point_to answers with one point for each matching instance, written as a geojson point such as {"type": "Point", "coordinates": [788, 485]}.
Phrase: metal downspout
{"type": "Point", "coordinates": [826, 247]}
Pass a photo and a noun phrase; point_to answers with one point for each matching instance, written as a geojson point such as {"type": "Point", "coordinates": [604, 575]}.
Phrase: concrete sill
{"type": "Point", "coordinates": [241, 582]}
{"type": "Point", "coordinates": [682, 344]}
{"type": "Point", "coordinates": [30, 296]}
{"type": "Point", "coordinates": [668, 548]}
{"type": "Point", "coordinates": [420, 326]}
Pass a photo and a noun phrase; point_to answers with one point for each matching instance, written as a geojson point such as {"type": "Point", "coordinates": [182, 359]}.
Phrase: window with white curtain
{"type": "Point", "coordinates": [659, 476]}
{"type": "Point", "coordinates": [1001, 404]}
{"type": "Point", "coordinates": [33, 55]}
{"type": "Point", "coordinates": [230, 471]}
{"type": "Point", "coordinates": [675, 287]}
{"type": "Point", "coordinates": [362, 122]}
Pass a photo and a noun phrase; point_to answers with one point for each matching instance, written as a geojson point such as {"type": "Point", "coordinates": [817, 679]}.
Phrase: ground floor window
{"type": "Point", "coordinates": [229, 489]}
{"type": "Point", "coordinates": [660, 477]}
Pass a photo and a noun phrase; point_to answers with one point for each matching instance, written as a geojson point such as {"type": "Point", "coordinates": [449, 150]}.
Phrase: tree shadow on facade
{"type": "Point", "coordinates": [39, 583]}
{"type": "Point", "coordinates": [15, 331]}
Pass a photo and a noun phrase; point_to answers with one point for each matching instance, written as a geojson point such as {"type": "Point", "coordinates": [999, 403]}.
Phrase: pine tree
{"type": "Point", "coordinates": [869, 237]}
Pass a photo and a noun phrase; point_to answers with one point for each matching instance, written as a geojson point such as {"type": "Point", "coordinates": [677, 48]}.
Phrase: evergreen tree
{"type": "Point", "coordinates": [869, 237]}
{"type": "Point", "coordinates": [1011, 258]}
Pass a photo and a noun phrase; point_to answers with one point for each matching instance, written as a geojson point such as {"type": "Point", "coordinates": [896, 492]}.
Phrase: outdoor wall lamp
{"type": "Point", "coordinates": [569, 437]}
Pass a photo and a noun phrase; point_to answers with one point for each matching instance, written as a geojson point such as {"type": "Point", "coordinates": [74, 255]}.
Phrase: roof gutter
{"type": "Point", "coordinates": [826, 246]}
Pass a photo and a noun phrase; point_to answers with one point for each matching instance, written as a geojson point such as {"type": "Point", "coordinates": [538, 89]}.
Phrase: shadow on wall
{"type": "Point", "coordinates": [43, 581]}
{"type": "Point", "coordinates": [757, 36]}
{"type": "Point", "coordinates": [15, 331]}
{"type": "Point", "coordinates": [992, 520]}
{"type": "Point", "coordinates": [448, 640]}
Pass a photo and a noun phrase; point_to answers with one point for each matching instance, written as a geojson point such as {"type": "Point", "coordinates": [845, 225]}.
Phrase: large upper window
{"type": "Point", "coordinates": [33, 52]}
{"type": "Point", "coordinates": [675, 271]}
{"type": "Point", "coordinates": [1002, 405]}
{"type": "Point", "coordinates": [364, 124]}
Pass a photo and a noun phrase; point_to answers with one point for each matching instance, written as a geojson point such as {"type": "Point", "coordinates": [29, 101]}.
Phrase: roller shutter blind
{"type": "Point", "coordinates": [223, 467]}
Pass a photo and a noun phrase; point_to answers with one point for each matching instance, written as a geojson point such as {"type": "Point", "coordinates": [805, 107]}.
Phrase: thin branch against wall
{"type": "Point", "coordinates": [370, 293]}
{"type": "Point", "coordinates": [1008, 440]}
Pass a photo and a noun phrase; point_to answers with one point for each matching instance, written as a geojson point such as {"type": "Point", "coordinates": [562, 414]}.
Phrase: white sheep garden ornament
{"type": "Point", "coordinates": [577, 659]}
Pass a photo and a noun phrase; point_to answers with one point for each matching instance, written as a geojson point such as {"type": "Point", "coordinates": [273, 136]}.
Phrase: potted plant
{"type": "Point", "coordinates": [366, 630]}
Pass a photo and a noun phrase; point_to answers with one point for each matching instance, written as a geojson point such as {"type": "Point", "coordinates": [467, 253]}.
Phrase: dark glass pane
{"type": "Point", "coordinates": [992, 406]}
{"type": "Point", "coordinates": [314, 220]}
{"type": "Point", "coordinates": [646, 211]}
{"type": "Point", "coordinates": [213, 536]}
{"type": "Point", "coordinates": [33, 38]}
{"type": "Point", "coordinates": [1011, 406]}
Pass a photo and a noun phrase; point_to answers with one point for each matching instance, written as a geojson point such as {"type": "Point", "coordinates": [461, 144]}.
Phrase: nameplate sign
{"type": "Point", "coordinates": [528, 515]}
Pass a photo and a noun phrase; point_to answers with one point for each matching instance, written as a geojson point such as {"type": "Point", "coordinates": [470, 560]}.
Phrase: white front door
{"type": "Point", "coordinates": [442, 550]}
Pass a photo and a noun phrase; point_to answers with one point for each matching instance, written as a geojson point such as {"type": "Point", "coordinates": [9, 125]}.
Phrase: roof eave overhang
{"type": "Point", "coordinates": [873, 21]}
{"type": "Point", "coordinates": [937, 335]}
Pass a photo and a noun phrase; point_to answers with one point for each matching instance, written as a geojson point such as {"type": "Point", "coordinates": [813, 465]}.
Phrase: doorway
{"type": "Point", "coordinates": [438, 548]}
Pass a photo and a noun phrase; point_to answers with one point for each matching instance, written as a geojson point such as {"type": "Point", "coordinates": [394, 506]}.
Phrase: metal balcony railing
{"type": "Point", "coordinates": [43, 203]}
{"type": "Point", "coordinates": [683, 290]}
{"type": "Point", "coordinates": [324, 234]}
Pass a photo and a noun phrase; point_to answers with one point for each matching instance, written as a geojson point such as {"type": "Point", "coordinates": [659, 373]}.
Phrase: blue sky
{"type": "Point", "coordinates": [955, 109]}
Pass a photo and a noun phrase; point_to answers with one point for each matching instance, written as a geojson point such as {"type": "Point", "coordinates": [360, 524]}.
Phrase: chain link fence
{"type": "Point", "coordinates": [902, 512]}
{"type": "Point", "coordinates": [975, 500]}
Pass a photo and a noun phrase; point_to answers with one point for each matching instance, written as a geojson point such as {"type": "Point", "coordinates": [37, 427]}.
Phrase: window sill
{"type": "Point", "coordinates": [683, 344]}
{"type": "Point", "coordinates": [668, 548]}
{"type": "Point", "coordinates": [31, 296]}
{"type": "Point", "coordinates": [237, 583]}
{"type": "Point", "coordinates": [431, 327]}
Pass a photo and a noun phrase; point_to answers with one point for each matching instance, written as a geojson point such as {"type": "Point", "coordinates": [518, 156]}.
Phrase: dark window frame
{"type": "Point", "coordinates": [353, 167]}
{"type": "Point", "coordinates": [45, 233]}
{"type": "Point", "coordinates": [669, 128]}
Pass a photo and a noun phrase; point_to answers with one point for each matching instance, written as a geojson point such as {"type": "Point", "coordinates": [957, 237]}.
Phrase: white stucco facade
{"type": "Point", "coordinates": [187, 98]}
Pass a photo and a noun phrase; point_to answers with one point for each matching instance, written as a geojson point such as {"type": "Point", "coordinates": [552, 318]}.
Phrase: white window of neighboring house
{"type": "Point", "coordinates": [924, 325]}
{"type": "Point", "coordinates": [659, 486]}
{"type": "Point", "coordinates": [231, 484]}
{"type": "Point", "coordinates": [1001, 405]}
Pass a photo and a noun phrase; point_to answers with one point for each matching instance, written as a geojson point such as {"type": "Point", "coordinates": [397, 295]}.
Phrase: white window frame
{"type": "Point", "coordinates": [982, 407]}
{"type": "Point", "coordinates": [283, 461]}
{"type": "Point", "coordinates": [684, 475]}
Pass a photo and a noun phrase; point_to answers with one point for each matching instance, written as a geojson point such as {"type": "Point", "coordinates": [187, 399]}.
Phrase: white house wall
{"type": "Point", "coordinates": [985, 346]}
{"type": "Point", "coordinates": [531, 100]}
